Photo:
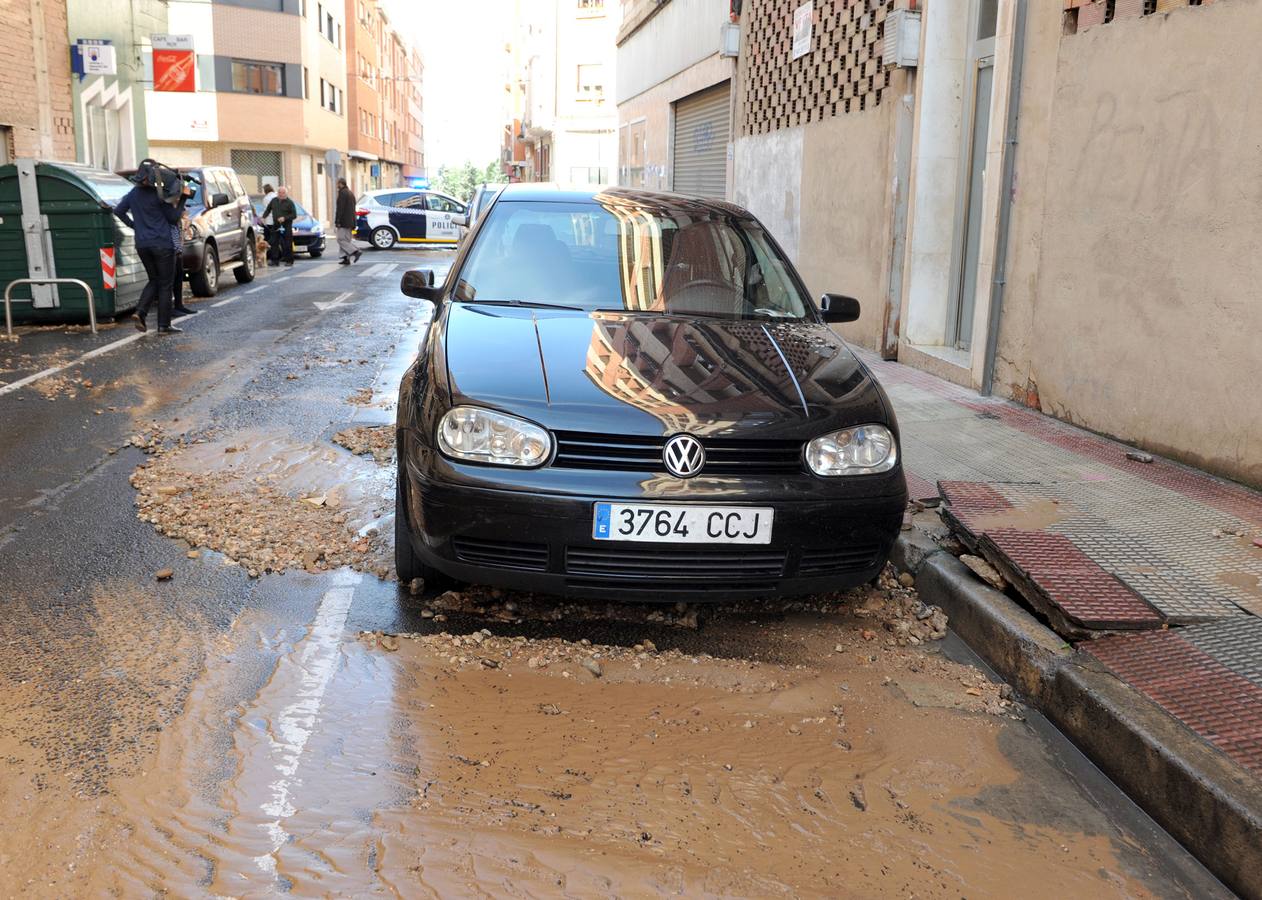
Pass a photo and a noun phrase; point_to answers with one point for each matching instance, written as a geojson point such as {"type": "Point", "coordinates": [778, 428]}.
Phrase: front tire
{"type": "Point", "coordinates": [383, 238]}
{"type": "Point", "coordinates": [205, 283]}
{"type": "Point", "coordinates": [315, 254]}
{"type": "Point", "coordinates": [244, 273]}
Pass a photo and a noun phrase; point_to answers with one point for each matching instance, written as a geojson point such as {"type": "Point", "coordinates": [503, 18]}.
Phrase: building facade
{"type": "Point", "coordinates": [386, 138]}
{"type": "Point", "coordinates": [562, 120]}
{"type": "Point", "coordinates": [1043, 200]}
{"type": "Point", "coordinates": [109, 110]}
{"type": "Point", "coordinates": [36, 104]}
{"type": "Point", "coordinates": [270, 96]}
{"type": "Point", "coordinates": [674, 95]}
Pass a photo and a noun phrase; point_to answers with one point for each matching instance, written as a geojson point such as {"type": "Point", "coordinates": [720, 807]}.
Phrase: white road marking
{"type": "Point", "coordinates": [91, 354]}
{"type": "Point", "coordinates": [232, 299]}
{"type": "Point", "coordinates": [317, 271]}
{"type": "Point", "coordinates": [337, 301]}
{"type": "Point", "coordinates": [256, 290]}
{"type": "Point", "coordinates": [377, 269]}
{"type": "Point", "coordinates": [287, 738]}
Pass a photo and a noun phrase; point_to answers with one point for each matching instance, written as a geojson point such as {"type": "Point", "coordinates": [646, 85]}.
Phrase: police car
{"type": "Point", "coordinates": [408, 216]}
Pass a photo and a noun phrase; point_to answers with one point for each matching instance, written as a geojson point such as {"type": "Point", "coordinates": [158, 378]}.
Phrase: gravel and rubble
{"type": "Point", "coordinates": [377, 441]}
{"type": "Point", "coordinates": [267, 505]}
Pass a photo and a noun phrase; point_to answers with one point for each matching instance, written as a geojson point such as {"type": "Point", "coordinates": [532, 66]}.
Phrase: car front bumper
{"type": "Point", "coordinates": [543, 542]}
{"type": "Point", "coordinates": [309, 241]}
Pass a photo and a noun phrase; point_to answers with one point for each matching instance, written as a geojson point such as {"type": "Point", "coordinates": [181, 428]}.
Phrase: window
{"type": "Point", "coordinates": [591, 82]}
{"type": "Point", "coordinates": [442, 204]}
{"type": "Point", "coordinates": [258, 78]}
{"type": "Point", "coordinates": [664, 259]}
{"type": "Point", "coordinates": [305, 92]}
{"type": "Point", "coordinates": [328, 26]}
{"type": "Point", "coordinates": [408, 201]}
{"type": "Point", "coordinates": [591, 7]}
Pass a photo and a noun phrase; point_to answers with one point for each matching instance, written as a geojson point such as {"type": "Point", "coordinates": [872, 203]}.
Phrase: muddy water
{"type": "Point", "coordinates": [500, 766]}
{"type": "Point", "coordinates": [1033, 515]}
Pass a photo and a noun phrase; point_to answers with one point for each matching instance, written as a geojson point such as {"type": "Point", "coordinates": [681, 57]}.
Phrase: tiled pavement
{"type": "Point", "coordinates": [1151, 565]}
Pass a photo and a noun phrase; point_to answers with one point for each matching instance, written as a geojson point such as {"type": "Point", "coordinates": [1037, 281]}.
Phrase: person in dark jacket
{"type": "Point", "coordinates": [344, 222]}
{"type": "Point", "coordinates": [283, 213]}
{"type": "Point", "coordinates": [151, 217]}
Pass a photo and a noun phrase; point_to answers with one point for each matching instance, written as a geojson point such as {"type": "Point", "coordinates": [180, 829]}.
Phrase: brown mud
{"type": "Point", "coordinates": [788, 752]}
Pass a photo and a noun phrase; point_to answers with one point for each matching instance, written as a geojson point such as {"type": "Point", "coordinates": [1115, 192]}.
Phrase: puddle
{"type": "Point", "coordinates": [1034, 515]}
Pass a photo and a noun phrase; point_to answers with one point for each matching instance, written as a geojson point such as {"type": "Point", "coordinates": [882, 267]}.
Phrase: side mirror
{"type": "Point", "coordinates": [419, 283]}
{"type": "Point", "coordinates": [460, 219]}
{"type": "Point", "coordinates": [219, 200]}
{"type": "Point", "coordinates": [838, 308]}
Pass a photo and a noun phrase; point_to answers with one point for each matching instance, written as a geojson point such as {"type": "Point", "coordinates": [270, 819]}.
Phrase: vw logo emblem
{"type": "Point", "coordinates": [684, 456]}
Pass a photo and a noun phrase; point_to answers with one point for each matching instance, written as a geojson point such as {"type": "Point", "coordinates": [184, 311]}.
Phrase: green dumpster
{"type": "Point", "coordinates": [57, 221]}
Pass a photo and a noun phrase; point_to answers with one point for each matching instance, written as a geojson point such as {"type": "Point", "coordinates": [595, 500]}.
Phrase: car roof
{"type": "Point", "coordinates": [659, 201]}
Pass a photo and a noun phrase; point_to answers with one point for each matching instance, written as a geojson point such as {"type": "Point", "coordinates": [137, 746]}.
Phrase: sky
{"type": "Point", "coordinates": [462, 45]}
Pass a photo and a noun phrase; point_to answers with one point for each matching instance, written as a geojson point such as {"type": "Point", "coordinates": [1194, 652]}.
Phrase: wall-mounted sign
{"type": "Point", "coordinates": [174, 63]}
{"type": "Point", "coordinates": [803, 24]}
{"type": "Point", "coordinates": [89, 57]}
{"type": "Point", "coordinates": [171, 41]}
{"type": "Point", "coordinates": [174, 70]}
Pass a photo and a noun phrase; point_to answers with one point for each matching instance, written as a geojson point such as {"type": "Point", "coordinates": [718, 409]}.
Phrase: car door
{"type": "Point", "coordinates": [439, 212]}
{"type": "Point", "coordinates": [222, 218]}
{"type": "Point", "coordinates": [407, 215]}
{"type": "Point", "coordinates": [245, 208]}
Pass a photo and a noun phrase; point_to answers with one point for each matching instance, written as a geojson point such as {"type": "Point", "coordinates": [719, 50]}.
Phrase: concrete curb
{"type": "Point", "coordinates": [1208, 803]}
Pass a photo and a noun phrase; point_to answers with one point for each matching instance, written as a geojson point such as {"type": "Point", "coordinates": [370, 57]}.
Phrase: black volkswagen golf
{"type": "Point", "coordinates": [631, 395]}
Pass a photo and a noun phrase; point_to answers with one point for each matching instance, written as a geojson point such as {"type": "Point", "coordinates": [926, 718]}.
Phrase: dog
{"type": "Point", "coordinates": [261, 248]}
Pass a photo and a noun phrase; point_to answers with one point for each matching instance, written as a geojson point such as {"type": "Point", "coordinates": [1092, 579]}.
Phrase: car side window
{"type": "Point", "coordinates": [237, 187]}
{"type": "Point", "coordinates": [409, 201]}
{"type": "Point", "coordinates": [442, 204]}
{"type": "Point", "coordinates": [214, 185]}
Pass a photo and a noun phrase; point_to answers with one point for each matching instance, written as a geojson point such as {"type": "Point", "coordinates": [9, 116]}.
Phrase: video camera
{"type": "Point", "coordinates": [168, 182]}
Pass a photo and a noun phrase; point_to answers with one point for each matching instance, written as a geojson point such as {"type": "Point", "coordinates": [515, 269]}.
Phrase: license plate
{"type": "Point", "coordinates": [664, 524]}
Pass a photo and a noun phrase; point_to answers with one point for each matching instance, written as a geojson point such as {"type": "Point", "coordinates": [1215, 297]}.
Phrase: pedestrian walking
{"type": "Point", "coordinates": [282, 212]}
{"type": "Point", "coordinates": [344, 222]}
{"type": "Point", "coordinates": [179, 234]}
{"type": "Point", "coordinates": [148, 212]}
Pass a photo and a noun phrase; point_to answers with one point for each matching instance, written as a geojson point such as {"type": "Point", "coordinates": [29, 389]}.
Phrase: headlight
{"type": "Point", "coordinates": [862, 450]}
{"type": "Point", "coordinates": [480, 435]}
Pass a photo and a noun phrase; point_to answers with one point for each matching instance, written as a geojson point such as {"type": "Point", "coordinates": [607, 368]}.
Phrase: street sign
{"type": "Point", "coordinates": [803, 24]}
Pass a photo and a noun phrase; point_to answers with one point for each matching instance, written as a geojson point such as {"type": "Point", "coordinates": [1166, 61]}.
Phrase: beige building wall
{"type": "Point", "coordinates": [653, 109]}
{"type": "Point", "coordinates": [1132, 303]}
{"type": "Point", "coordinates": [36, 117]}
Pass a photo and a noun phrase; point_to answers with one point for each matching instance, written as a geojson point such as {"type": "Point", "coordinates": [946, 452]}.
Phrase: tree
{"type": "Point", "coordinates": [461, 181]}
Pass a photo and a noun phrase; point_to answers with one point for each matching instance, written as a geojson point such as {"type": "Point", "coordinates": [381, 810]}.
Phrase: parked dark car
{"type": "Point", "coordinates": [308, 232]}
{"type": "Point", "coordinates": [631, 395]}
{"type": "Point", "coordinates": [222, 228]}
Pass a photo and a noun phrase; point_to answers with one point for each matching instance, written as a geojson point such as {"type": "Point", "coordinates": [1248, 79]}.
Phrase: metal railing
{"type": "Point", "coordinates": [8, 294]}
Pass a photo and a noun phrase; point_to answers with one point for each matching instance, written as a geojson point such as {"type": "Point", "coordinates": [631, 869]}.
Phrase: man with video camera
{"type": "Point", "coordinates": [152, 209]}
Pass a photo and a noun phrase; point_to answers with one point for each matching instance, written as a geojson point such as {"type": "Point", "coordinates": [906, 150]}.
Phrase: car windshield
{"type": "Point", "coordinates": [618, 253]}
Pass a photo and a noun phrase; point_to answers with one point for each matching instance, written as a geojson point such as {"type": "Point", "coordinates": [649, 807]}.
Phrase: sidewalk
{"type": "Point", "coordinates": [1151, 570]}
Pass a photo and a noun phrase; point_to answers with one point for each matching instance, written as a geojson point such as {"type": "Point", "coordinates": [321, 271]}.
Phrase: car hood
{"type": "Point", "coordinates": [305, 223]}
{"type": "Point", "coordinates": [650, 374]}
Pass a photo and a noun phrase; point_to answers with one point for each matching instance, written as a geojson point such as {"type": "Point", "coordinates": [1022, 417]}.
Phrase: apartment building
{"type": "Point", "coordinates": [414, 163]}
{"type": "Point", "coordinates": [270, 98]}
{"type": "Point", "coordinates": [36, 117]}
{"type": "Point", "coordinates": [562, 123]}
{"type": "Point", "coordinates": [676, 65]}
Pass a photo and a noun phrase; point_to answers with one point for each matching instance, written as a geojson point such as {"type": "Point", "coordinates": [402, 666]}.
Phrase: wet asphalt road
{"type": "Point", "coordinates": [98, 660]}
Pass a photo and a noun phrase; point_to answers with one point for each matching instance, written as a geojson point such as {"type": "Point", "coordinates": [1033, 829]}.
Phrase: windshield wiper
{"type": "Point", "coordinates": [528, 304]}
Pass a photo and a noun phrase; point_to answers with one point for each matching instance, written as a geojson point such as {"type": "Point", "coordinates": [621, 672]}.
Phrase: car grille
{"type": "Point", "coordinates": [629, 453]}
{"type": "Point", "coordinates": [839, 560]}
{"type": "Point", "coordinates": [648, 564]}
{"type": "Point", "coordinates": [501, 554]}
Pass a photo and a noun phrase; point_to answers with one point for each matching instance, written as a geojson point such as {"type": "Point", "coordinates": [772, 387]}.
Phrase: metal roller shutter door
{"type": "Point", "coordinates": [702, 131]}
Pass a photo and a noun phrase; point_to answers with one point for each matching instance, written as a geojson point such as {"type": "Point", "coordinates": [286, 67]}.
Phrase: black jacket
{"type": "Point", "coordinates": [283, 212]}
{"type": "Point", "coordinates": [149, 216]}
{"type": "Point", "coordinates": [344, 215]}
